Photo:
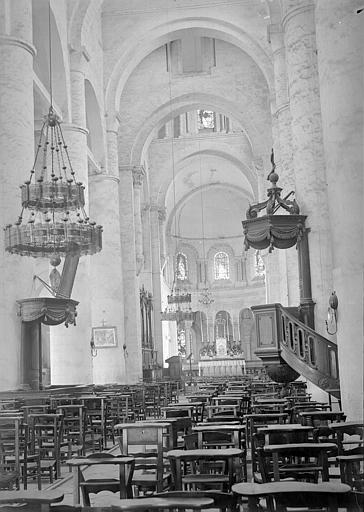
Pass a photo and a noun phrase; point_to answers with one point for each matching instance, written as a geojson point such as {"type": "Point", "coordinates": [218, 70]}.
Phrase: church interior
{"type": "Point", "coordinates": [182, 254]}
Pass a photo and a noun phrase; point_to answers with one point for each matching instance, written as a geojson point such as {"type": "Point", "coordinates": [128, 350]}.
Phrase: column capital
{"type": "Point", "coordinates": [154, 207]}
{"type": "Point", "coordinates": [16, 41]}
{"type": "Point", "coordinates": [126, 168]}
{"type": "Point", "coordinates": [162, 214]}
{"type": "Point", "coordinates": [293, 9]}
{"type": "Point", "coordinates": [138, 175]}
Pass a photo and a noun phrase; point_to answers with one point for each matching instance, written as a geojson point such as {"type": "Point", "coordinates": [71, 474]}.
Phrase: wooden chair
{"type": "Point", "coordinates": [150, 474]}
{"type": "Point", "coordinates": [96, 415]}
{"type": "Point", "coordinates": [202, 469]}
{"type": "Point", "coordinates": [74, 430]}
{"type": "Point", "coordinates": [96, 485]}
{"type": "Point", "coordinates": [46, 439]}
{"type": "Point", "coordinates": [302, 461]}
{"type": "Point", "coordinates": [10, 470]}
{"type": "Point", "coordinates": [352, 473]}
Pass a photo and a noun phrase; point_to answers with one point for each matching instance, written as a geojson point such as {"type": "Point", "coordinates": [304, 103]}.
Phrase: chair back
{"type": "Point", "coordinates": [147, 444]}
{"type": "Point", "coordinates": [10, 469]}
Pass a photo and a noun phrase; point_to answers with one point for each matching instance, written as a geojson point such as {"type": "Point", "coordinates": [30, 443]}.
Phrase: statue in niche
{"type": "Point", "coordinates": [181, 267]}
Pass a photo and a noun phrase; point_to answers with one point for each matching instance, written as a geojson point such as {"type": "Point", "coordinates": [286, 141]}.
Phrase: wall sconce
{"type": "Point", "coordinates": [125, 350]}
{"type": "Point", "coordinates": [331, 322]}
{"type": "Point", "coordinates": [93, 348]}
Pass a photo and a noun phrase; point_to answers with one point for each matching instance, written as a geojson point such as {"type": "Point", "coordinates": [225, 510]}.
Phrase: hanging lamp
{"type": "Point", "coordinates": [53, 221]}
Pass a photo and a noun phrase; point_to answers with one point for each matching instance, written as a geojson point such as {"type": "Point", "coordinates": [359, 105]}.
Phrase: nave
{"type": "Point", "coordinates": [209, 443]}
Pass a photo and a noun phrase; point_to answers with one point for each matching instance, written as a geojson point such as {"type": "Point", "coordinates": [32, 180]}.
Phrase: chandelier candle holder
{"type": "Point", "coordinates": [57, 223]}
{"type": "Point", "coordinates": [52, 224]}
{"type": "Point", "coordinates": [179, 307]}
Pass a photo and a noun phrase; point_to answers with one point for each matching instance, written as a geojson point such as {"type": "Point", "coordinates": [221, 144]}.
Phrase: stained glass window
{"type": "Point", "coordinates": [181, 267]}
{"type": "Point", "coordinates": [181, 342]}
{"type": "Point", "coordinates": [206, 119]}
{"type": "Point", "coordinates": [221, 266]}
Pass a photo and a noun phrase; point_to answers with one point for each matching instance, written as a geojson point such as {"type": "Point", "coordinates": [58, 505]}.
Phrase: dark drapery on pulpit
{"type": "Point", "coordinates": [48, 310]}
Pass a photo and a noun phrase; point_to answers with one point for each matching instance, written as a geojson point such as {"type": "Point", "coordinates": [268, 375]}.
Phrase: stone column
{"type": "Point", "coordinates": [156, 279]}
{"type": "Point", "coordinates": [308, 154]}
{"type": "Point", "coordinates": [132, 320]}
{"type": "Point", "coordinates": [71, 361]}
{"type": "Point", "coordinates": [107, 305]}
{"type": "Point", "coordinates": [138, 176]}
{"type": "Point", "coordinates": [288, 260]}
{"type": "Point", "coordinates": [17, 154]}
{"type": "Point", "coordinates": [340, 44]}
{"type": "Point", "coordinates": [162, 215]}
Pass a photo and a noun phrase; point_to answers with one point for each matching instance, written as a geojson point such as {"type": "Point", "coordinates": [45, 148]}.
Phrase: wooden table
{"type": "Point", "coordinates": [292, 432]}
{"type": "Point", "coordinates": [80, 462]}
{"type": "Point", "coordinates": [235, 430]}
{"type": "Point", "coordinates": [350, 428]}
{"type": "Point", "coordinates": [42, 498]}
{"type": "Point", "coordinates": [144, 504]}
{"type": "Point", "coordinates": [237, 438]}
{"type": "Point", "coordinates": [179, 457]}
{"type": "Point", "coordinates": [255, 491]}
{"type": "Point", "coordinates": [175, 425]}
{"type": "Point", "coordinates": [311, 416]}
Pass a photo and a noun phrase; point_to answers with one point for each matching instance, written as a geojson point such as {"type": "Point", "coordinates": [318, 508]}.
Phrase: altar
{"type": "Point", "coordinates": [221, 366]}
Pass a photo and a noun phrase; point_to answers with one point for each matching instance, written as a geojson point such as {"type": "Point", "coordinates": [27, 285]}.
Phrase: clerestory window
{"type": "Point", "coordinates": [221, 266]}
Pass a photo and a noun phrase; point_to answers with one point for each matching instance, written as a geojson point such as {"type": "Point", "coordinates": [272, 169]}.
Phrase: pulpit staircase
{"type": "Point", "coordinates": [282, 336]}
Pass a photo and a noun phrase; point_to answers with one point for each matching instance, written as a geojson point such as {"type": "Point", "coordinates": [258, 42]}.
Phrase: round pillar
{"type": "Point", "coordinates": [282, 116]}
{"type": "Point", "coordinates": [340, 41]}
{"type": "Point", "coordinates": [308, 155]}
{"type": "Point", "coordinates": [71, 360]}
{"type": "Point", "coordinates": [132, 320]}
{"type": "Point", "coordinates": [17, 153]}
{"type": "Point", "coordinates": [106, 280]}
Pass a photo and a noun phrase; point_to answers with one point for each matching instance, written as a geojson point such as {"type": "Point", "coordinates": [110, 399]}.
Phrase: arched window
{"type": "Point", "coordinates": [221, 266]}
{"type": "Point", "coordinates": [181, 267]}
{"type": "Point", "coordinates": [259, 265]}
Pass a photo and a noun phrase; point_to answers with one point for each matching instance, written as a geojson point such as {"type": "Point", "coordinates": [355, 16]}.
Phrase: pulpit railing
{"type": "Point", "coordinates": [309, 353]}
{"type": "Point", "coordinates": [281, 335]}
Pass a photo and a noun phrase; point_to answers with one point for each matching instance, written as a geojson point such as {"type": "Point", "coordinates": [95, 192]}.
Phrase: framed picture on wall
{"type": "Point", "coordinates": [104, 337]}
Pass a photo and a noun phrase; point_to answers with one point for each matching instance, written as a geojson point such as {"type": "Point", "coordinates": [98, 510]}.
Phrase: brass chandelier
{"type": "Point", "coordinates": [54, 201]}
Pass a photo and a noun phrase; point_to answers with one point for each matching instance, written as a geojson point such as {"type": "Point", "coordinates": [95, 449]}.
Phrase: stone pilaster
{"type": "Point", "coordinates": [17, 153]}
{"type": "Point", "coordinates": [138, 176]}
{"type": "Point", "coordinates": [308, 155]}
{"type": "Point", "coordinates": [156, 279]}
{"type": "Point", "coordinates": [340, 41]}
{"type": "Point", "coordinates": [132, 321]}
{"type": "Point", "coordinates": [162, 215]}
{"type": "Point", "coordinates": [147, 249]}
